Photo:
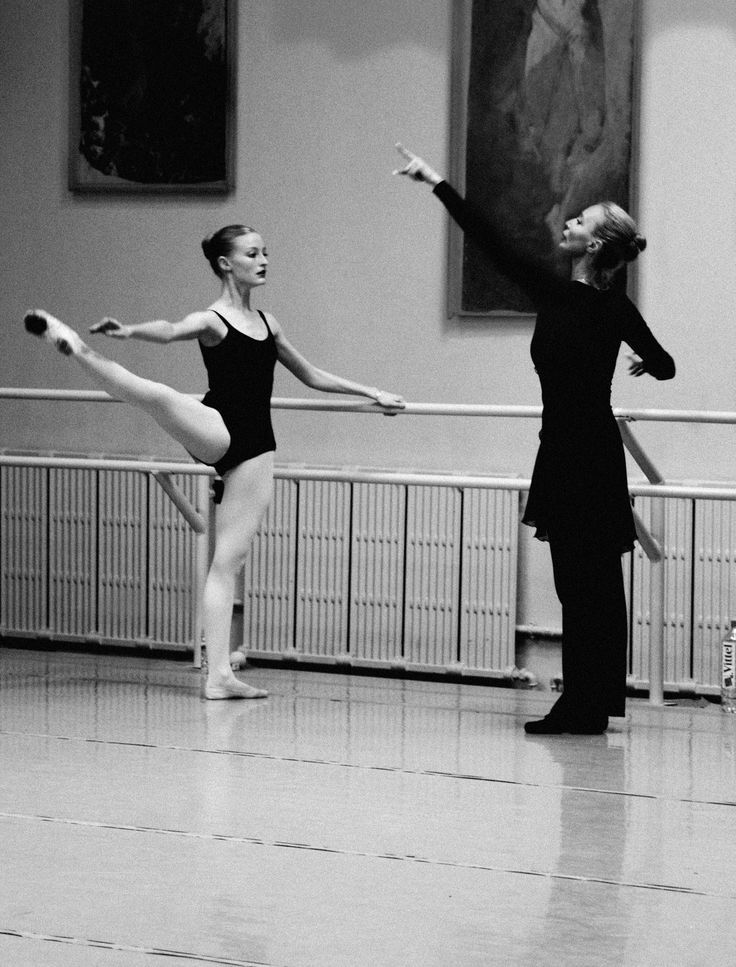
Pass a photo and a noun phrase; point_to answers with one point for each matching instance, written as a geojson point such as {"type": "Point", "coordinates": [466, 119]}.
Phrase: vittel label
{"type": "Point", "coordinates": [728, 664]}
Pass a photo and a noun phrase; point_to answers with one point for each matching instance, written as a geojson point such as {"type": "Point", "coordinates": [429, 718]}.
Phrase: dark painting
{"type": "Point", "coordinates": [152, 87]}
{"type": "Point", "coordinates": [545, 127]}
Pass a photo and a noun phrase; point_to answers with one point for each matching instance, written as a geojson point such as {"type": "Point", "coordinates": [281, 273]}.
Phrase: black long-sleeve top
{"type": "Point", "coordinates": [579, 489]}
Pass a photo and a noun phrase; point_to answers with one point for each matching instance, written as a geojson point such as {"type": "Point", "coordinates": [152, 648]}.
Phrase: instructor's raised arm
{"type": "Point", "coordinates": [416, 168]}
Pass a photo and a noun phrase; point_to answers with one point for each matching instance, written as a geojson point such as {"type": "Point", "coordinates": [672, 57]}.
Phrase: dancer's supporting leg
{"type": "Point", "coordinates": [248, 489]}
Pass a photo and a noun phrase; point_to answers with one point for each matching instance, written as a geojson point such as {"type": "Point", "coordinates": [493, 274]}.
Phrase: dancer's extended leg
{"type": "Point", "coordinates": [197, 427]}
{"type": "Point", "coordinates": [247, 494]}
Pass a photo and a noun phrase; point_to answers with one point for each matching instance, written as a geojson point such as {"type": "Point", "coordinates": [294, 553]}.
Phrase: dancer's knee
{"type": "Point", "coordinates": [228, 561]}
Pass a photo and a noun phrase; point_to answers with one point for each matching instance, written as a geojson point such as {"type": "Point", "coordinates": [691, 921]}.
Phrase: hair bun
{"type": "Point", "coordinates": [637, 244]}
{"type": "Point", "coordinates": [220, 243]}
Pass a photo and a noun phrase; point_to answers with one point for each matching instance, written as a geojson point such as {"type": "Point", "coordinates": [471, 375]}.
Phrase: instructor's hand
{"type": "Point", "coordinates": [416, 168]}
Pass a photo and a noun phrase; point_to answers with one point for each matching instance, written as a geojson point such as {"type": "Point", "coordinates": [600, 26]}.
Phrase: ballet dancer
{"type": "Point", "coordinates": [230, 429]}
{"type": "Point", "coordinates": [579, 500]}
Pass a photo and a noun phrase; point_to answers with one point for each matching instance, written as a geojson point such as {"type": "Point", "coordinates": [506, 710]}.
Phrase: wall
{"type": "Point", "coordinates": [358, 257]}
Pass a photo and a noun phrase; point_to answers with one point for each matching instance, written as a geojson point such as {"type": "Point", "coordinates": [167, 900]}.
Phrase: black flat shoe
{"type": "Point", "coordinates": [557, 725]}
{"type": "Point", "coordinates": [549, 725]}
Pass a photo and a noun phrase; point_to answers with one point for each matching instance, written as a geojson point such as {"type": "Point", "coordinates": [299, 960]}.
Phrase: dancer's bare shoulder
{"type": "Point", "coordinates": [204, 325]}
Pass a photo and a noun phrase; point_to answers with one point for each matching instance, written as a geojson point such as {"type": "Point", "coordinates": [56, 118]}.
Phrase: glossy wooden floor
{"type": "Point", "coordinates": [351, 820]}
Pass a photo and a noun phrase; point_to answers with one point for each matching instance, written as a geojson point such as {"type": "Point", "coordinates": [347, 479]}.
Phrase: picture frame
{"type": "Point", "coordinates": [543, 124]}
{"type": "Point", "coordinates": [152, 96]}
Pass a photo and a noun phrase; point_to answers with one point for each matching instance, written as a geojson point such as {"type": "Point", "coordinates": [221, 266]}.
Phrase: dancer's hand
{"type": "Point", "coordinates": [416, 168]}
{"type": "Point", "coordinates": [636, 366]}
{"type": "Point", "coordinates": [111, 327]}
{"type": "Point", "coordinates": [390, 402]}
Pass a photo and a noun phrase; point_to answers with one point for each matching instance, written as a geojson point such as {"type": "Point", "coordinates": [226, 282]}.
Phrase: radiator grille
{"type": "Point", "coordinates": [122, 556]}
{"type": "Point", "coordinates": [385, 575]}
{"type": "Point", "coordinates": [93, 555]}
{"type": "Point", "coordinates": [171, 567]}
{"type": "Point", "coordinates": [24, 497]}
{"type": "Point", "coordinates": [700, 592]}
{"type": "Point", "coordinates": [378, 554]}
{"type": "Point", "coordinates": [677, 565]}
{"type": "Point", "coordinates": [323, 564]}
{"type": "Point", "coordinates": [379, 574]}
{"type": "Point", "coordinates": [488, 628]}
{"type": "Point", "coordinates": [714, 585]}
{"type": "Point", "coordinates": [270, 577]}
{"type": "Point", "coordinates": [72, 550]}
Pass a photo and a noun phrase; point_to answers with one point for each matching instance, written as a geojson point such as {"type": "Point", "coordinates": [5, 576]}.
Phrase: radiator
{"type": "Point", "coordinates": [714, 585]}
{"type": "Point", "coordinates": [700, 592]}
{"type": "Point", "coordinates": [378, 556]}
{"type": "Point", "coordinates": [24, 549]}
{"type": "Point", "coordinates": [385, 575]}
{"type": "Point", "coordinates": [99, 556]}
{"type": "Point", "coordinates": [269, 586]}
{"type": "Point", "coordinates": [382, 575]}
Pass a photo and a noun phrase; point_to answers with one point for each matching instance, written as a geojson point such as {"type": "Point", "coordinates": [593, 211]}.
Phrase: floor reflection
{"type": "Point", "coordinates": [351, 820]}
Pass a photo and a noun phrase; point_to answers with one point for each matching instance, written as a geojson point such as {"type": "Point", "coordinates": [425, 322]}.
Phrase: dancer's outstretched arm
{"type": "Point", "coordinates": [320, 379]}
{"type": "Point", "coordinates": [192, 326]}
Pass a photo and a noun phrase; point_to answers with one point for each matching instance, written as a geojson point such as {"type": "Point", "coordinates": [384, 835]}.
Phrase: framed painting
{"type": "Point", "coordinates": [543, 119]}
{"type": "Point", "coordinates": [152, 95]}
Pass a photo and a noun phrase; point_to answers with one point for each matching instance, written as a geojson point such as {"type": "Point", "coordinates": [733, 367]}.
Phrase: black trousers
{"type": "Point", "coordinates": [590, 585]}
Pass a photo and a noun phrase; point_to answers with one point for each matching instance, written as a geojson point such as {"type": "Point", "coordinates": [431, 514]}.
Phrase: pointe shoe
{"type": "Point", "coordinates": [232, 689]}
{"type": "Point", "coordinates": [40, 323]}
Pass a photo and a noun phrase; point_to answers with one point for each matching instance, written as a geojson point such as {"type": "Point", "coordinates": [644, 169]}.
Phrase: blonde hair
{"type": "Point", "coordinates": [621, 242]}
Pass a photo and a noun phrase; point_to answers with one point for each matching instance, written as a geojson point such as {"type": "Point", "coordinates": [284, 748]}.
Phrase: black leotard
{"type": "Point", "coordinates": [579, 481]}
{"type": "Point", "coordinates": [240, 372]}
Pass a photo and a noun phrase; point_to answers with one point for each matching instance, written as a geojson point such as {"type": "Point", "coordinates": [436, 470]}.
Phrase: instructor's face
{"type": "Point", "coordinates": [580, 231]}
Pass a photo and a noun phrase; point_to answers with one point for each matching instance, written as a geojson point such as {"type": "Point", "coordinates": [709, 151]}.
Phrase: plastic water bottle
{"type": "Point", "coordinates": [728, 668]}
{"type": "Point", "coordinates": [203, 668]}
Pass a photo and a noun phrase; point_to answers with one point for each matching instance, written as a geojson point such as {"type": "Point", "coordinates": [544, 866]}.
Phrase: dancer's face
{"type": "Point", "coordinates": [248, 260]}
{"type": "Point", "coordinates": [580, 232]}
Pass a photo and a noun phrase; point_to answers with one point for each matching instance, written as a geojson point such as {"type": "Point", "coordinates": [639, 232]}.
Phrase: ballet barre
{"type": "Point", "coordinates": [411, 409]}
